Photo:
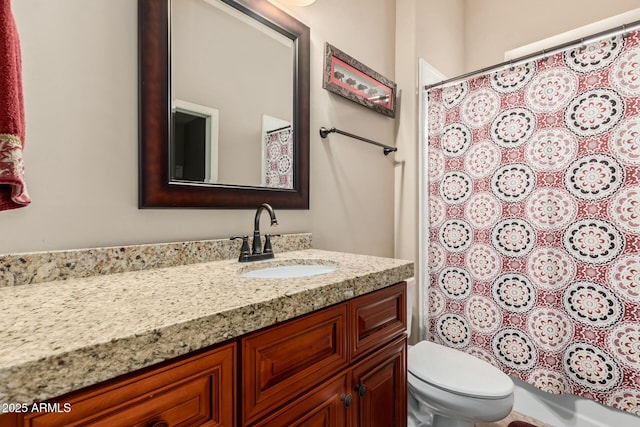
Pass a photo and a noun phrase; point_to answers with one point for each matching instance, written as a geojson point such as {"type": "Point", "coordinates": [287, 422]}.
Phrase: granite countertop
{"type": "Point", "coordinates": [56, 337]}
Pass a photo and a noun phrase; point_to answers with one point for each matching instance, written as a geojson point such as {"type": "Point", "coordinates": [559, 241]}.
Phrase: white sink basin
{"type": "Point", "coordinates": [289, 271]}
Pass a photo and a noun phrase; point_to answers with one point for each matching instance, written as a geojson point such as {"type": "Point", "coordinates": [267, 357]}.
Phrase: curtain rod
{"type": "Point", "coordinates": [386, 149]}
{"type": "Point", "coordinates": [622, 29]}
{"type": "Point", "coordinates": [279, 129]}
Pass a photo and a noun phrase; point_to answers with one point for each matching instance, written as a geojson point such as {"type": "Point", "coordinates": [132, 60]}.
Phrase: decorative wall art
{"type": "Point", "coordinates": [534, 210]}
{"type": "Point", "coordinates": [345, 76]}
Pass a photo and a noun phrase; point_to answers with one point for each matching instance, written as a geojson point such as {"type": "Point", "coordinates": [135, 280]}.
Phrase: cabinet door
{"type": "Point", "coordinates": [324, 406]}
{"type": "Point", "coordinates": [282, 362]}
{"type": "Point", "coordinates": [197, 391]}
{"type": "Point", "coordinates": [9, 419]}
{"type": "Point", "coordinates": [376, 319]}
{"type": "Point", "coordinates": [379, 387]}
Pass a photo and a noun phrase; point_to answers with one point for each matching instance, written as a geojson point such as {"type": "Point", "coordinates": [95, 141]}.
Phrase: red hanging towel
{"type": "Point", "coordinates": [13, 191]}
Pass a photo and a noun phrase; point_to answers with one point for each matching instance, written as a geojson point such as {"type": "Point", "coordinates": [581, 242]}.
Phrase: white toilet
{"type": "Point", "coordinates": [450, 388]}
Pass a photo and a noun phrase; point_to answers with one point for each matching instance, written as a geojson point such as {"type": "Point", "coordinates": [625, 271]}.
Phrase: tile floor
{"type": "Point", "coordinates": [514, 416]}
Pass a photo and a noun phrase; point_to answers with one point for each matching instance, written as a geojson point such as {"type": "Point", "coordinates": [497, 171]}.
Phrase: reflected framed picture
{"type": "Point", "coordinates": [347, 77]}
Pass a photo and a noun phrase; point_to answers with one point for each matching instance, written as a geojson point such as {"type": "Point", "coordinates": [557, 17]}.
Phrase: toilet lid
{"type": "Point", "coordinates": [457, 372]}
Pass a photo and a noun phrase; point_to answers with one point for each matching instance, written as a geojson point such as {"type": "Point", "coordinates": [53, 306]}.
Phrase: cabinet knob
{"type": "Point", "coordinates": [159, 424]}
{"type": "Point", "coordinates": [347, 399]}
{"type": "Point", "coordinates": [361, 389]}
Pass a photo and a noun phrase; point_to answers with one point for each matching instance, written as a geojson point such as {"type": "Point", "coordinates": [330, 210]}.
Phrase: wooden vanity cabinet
{"type": "Point", "coordinates": [284, 361]}
{"type": "Point", "coordinates": [342, 366]}
{"type": "Point", "coordinates": [379, 380]}
{"type": "Point", "coordinates": [197, 391]}
{"type": "Point", "coordinates": [297, 373]}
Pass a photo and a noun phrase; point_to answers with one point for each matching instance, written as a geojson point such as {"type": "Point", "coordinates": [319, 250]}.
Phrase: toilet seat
{"type": "Point", "coordinates": [456, 372]}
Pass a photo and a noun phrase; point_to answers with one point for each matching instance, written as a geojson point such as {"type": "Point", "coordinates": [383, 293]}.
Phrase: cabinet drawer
{"type": "Point", "coordinates": [323, 406]}
{"type": "Point", "coordinates": [377, 318]}
{"type": "Point", "coordinates": [199, 391]}
{"type": "Point", "coordinates": [282, 362]}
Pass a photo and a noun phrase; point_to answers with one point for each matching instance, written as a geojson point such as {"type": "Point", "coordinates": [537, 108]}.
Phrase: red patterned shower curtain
{"type": "Point", "coordinates": [534, 210]}
{"type": "Point", "coordinates": [278, 168]}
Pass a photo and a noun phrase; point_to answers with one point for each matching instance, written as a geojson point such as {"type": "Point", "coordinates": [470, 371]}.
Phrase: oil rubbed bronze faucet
{"type": "Point", "coordinates": [257, 252]}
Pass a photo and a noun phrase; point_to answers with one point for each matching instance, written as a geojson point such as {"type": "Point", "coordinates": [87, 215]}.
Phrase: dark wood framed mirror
{"type": "Point", "coordinates": [158, 186]}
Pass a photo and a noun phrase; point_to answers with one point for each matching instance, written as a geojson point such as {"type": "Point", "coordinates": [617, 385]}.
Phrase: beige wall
{"type": "Point", "coordinates": [432, 30]}
{"type": "Point", "coordinates": [80, 81]}
{"type": "Point", "coordinates": [495, 26]}
{"type": "Point", "coordinates": [351, 182]}
{"type": "Point", "coordinates": [440, 34]}
{"type": "Point", "coordinates": [406, 157]}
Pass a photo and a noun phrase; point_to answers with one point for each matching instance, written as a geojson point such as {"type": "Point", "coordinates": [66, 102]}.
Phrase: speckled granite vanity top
{"type": "Point", "coordinates": [60, 336]}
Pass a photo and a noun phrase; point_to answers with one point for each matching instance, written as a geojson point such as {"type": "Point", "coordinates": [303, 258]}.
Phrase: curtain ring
{"type": "Point", "coordinates": [544, 55]}
{"type": "Point", "coordinates": [582, 45]}
{"type": "Point", "coordinates": [624, 31]}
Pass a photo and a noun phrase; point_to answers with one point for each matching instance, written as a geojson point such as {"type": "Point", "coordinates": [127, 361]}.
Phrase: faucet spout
{"type": "Point", "coordinates": [257, 243]}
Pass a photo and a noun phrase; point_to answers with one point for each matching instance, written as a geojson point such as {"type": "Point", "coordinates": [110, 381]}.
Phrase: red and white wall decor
{"type": "Point", "coordinates": [534, 210]}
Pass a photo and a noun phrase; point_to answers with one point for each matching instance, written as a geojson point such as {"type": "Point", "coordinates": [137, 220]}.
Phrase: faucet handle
{"type": "Point", "coordinates": [267, 242]}
{"type": "Point", "coordinates": [244, 249]}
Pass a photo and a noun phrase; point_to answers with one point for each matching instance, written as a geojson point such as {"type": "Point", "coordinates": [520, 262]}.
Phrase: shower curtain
{"type": "Point", "coordinates": [534, 220]}
{"type": "Point", "coordinates": [278, 167]}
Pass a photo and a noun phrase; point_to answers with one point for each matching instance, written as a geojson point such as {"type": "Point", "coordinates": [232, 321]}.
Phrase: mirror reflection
{"type": "Point", "coordinates": [232, 97]}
